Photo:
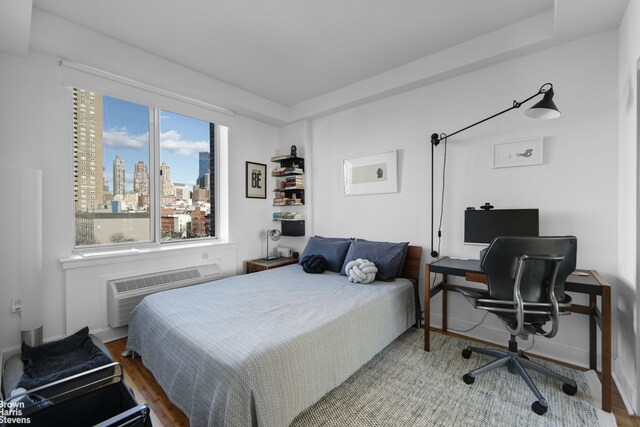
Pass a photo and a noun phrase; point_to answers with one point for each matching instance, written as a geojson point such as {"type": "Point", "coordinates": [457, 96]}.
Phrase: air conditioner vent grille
{"type": "Point", "coordinates": [132, 284]}
{"type": "Point", "coordinates": [126, 293]}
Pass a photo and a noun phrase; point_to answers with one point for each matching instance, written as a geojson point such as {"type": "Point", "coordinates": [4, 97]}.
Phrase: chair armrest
{"type": "Point", "coordinates": [470, 293]}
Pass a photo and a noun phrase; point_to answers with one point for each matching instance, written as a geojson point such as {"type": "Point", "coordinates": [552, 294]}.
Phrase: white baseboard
{"type": "Point", "coordinates": [625, 389]}
{"type": "Point", "coordinates": [111, 334]}
{"type": "Point", "coordinates": [553, 349]}
{"type": "Point", "coordinates": [7, 352]}
{"type": "Point", "coordinates": [105, 335]}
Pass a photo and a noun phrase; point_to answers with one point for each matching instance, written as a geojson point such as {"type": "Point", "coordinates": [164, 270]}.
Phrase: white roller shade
{"type": "Point", "coordinates": [85, 77]}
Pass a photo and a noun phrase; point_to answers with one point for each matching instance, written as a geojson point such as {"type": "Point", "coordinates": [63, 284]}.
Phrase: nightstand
{"type": "Point", "coordinates": [267, 264]}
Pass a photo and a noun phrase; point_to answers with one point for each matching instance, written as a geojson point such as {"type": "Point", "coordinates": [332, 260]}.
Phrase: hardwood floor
{"type": "Point", "coordinates": [146, 388]}
{"type": "Point", "coordinates": [165, 414]}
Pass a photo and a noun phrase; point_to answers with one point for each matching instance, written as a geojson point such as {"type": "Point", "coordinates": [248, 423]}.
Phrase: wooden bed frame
{"type": "Point", "coordinates": [411, 270]}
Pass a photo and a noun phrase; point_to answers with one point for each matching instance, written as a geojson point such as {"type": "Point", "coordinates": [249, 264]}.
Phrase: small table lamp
{"type": "Point", "coordinates": [275, 236]}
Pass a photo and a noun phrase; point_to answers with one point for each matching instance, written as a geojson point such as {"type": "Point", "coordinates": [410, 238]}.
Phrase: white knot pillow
{"type": "Point", "coordinates": [361, 271]}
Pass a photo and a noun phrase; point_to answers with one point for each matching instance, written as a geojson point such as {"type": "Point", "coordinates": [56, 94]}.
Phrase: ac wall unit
{"type": "Point", "coordinates": [126, 293]}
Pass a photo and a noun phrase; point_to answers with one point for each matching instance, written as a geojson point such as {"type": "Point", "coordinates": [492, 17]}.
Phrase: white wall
{"type": "Point", "coordinates": [627, 369]}
{"type": "Point", "coordinates": [249, 218]}
{"type": "Point", "coordinates": [36, 122]}
{"type": "Point", "coordinates": [572, 189]}
{"type": "Point", "coordinates": [85, 280]}
{"type": "Point", "coordinates": [37, 134]}
{"type": "Point", "coordinates": [56, 36]}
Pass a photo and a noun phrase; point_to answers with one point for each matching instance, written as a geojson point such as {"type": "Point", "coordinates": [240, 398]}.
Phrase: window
{"type": "Point", "coordinates": [170, 199]}
{"type": "Point", "coordinates": [186, 189]}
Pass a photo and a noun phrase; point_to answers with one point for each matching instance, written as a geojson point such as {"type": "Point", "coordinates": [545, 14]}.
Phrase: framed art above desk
{"type": "Point", "coordinates": [588, 282]}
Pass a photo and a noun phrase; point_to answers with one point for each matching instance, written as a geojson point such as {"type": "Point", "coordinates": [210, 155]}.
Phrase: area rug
{"type": "Point", "coordinates": [405, 386]}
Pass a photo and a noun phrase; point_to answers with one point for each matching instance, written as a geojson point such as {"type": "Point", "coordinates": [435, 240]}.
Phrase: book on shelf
{"type": "Point", "coordinates": [286, 185]}
{"type": "Point", "coordinates": [293, 170]}
{"type": "Point", "coordinates": [287, 171]}
{"type": "Point", "coordinates": [293, 180]}
{"type": "Point", "coordinates": [280, 157]}
{"type": "Point", "coordinates": [292, 216]}
{"type": "Point", "coordinates": [287, 216]}
{"type": "Point", "coordinates": [285, 201]}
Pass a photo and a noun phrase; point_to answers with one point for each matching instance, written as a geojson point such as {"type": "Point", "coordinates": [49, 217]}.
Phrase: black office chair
{"type": "Point", "coordinates": [525, 276]}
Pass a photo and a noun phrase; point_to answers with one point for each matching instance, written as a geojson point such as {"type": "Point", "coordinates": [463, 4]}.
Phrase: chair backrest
{"type": "Point", "coordinates": [501, 260]}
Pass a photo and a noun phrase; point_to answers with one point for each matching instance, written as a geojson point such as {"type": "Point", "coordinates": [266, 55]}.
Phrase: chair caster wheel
{"type": "Point", "coordinates": [466, 353]}
{"type": "Point", "coordinates": [538, 408]}
{"type": "Point", "coordinates": [525, 357]}
{"type": "Point", "coordinates": [569, 389]}
{"type": "Point", "coordinates": [468, 379]}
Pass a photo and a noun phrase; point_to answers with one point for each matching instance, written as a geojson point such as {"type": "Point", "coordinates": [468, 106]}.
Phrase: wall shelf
{"type": "Point", "coordinates": [289, 191]}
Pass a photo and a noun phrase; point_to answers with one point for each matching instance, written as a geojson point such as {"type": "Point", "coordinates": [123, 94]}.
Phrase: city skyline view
{"type": "Point", "coordinates": [114, 176]}
{"type": "Point", "coordinates": [126, 134]}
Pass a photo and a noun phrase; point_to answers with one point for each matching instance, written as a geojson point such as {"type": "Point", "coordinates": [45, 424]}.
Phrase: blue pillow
{"type": "Point", "coordinates": [388, 257]}
{"type": "Point", "coordinates": [336, 239]}
{"type": "Point", "coordinates": [393, 248]}
{"type": "Point", "coordinates": [333, 249]}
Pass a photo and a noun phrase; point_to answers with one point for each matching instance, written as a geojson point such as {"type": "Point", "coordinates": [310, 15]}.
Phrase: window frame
{"type": "Point", "coordinates": [155, 241]}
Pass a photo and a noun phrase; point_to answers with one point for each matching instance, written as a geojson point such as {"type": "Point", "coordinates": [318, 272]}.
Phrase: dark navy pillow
{"type": "Point", "coordinates": [314, 264]}
{"type": "Point", "coordinates": [388, 257]}
{"type": "Point", "coordinates": [333, 249]}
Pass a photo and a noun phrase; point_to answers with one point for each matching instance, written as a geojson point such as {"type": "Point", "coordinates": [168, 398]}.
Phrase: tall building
{"type": "Point", "coordinates": [119, 176]}
{"type": "Point", "coordinates": [141, 178]}
{"type": "Point", "coordinates": [87, 150]}
{"type": "Point", "coordinates": [204, 167]}
{"type": "Point", "coordinates": [201, 193]}
{"type": "Point", "coordinates": [167, 186]}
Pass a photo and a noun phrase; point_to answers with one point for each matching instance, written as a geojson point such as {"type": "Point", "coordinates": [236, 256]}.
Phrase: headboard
{"type": "Point", "coordinates": [411, 270]}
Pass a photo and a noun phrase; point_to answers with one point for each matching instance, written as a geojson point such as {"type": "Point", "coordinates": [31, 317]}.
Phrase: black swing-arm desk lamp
{"type": "Point", "coordinates": [545, 109]}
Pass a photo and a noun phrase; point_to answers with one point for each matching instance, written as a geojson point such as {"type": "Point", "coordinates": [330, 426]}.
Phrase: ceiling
{"type": "Point", "coordinates": [290, 51]}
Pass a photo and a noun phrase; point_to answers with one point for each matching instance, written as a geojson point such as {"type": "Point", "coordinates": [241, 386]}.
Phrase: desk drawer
{"type": "Point", "coordinates": [475, 277]}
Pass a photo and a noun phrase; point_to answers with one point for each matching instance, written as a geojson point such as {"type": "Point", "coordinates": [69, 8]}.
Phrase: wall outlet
{"type": "Point", "coordinates": [16, 304]}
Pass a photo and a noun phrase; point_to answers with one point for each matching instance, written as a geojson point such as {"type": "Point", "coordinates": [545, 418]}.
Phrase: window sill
{"type": "Point", "coordinates": [87, 259]}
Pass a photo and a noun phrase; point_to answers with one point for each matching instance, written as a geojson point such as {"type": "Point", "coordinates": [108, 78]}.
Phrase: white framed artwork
{"type": "Point", "coordinates": [522, 152]}
{"type": "Point", "coordinates": [370, 174]}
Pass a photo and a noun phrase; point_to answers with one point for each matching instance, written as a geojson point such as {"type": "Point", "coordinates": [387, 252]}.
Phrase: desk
{"type": "Point", "coordinates": [593, 285]}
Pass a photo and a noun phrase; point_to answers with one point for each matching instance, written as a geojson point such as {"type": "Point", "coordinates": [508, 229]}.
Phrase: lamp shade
{"type": "Point", "coordinates": [275, 236]}
{"type": "Point", "coordinates": [545, 109]}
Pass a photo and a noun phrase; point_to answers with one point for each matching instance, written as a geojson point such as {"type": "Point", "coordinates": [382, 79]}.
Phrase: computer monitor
{"type": "Point", "coordinates": [481, 226]}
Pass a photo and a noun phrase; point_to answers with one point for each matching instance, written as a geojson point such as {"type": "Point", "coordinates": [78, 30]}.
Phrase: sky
{"type": "Point", "coordinates": [126, 133]}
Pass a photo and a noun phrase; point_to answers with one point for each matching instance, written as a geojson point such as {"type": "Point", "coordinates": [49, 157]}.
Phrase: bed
{"type": "Point", "coordinates": [258, 349]}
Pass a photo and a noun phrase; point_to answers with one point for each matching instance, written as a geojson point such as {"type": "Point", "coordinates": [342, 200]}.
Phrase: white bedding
{"type": "Point", "coordinates": [258, 349]}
